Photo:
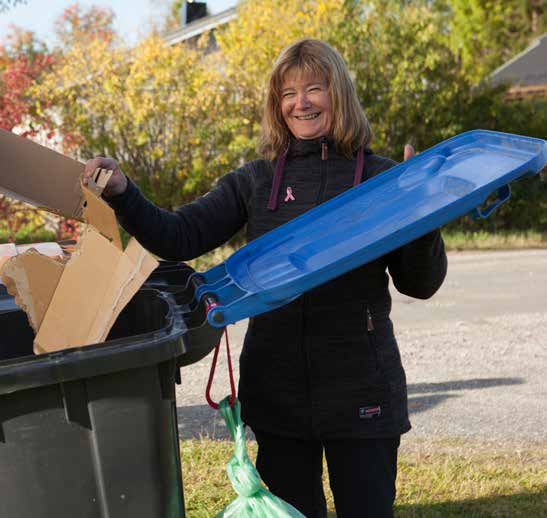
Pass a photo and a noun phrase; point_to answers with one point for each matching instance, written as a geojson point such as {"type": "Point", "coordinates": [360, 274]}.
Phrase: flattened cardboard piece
{"type": "Point", "coordinates": [11, 250]}
{"type": "Point", "coordinates": [94, 284]}
{"type": "Point", "coordinates": [40, 176]}
{"type": "Point", "coordinates": [98, 214]}
{"type": "Point", "coordinates": [133, 268]}
{"type": "Point", "coordinates": [143, 265]}
{"type": "Point", "coordinates": [32, 278]}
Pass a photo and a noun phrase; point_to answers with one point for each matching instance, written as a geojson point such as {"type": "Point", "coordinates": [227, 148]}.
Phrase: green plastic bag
{"type": "Point", "coordinates": [254, 500]}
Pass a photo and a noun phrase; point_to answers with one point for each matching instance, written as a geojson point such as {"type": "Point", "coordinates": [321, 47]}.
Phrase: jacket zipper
{"type": "Point", "coordinates": [372, 337]}
{"type": "Point", "coordinates": [306, 353]}
{"type": "Point", "coordinates": [323, 170]}
{"type": "Point", "coordinates": [370, 322]}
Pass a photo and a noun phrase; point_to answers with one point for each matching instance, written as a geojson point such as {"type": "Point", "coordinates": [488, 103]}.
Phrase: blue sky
{"type": "Point", "coordinates": [133, 17]}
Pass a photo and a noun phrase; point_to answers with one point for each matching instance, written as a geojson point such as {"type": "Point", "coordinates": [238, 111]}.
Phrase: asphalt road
{"type": "Point", "coordinates": [474, 354]}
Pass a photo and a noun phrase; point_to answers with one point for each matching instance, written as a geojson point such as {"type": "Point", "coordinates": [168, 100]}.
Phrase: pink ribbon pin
{"type": "Point", "coordinates": [289, 195]}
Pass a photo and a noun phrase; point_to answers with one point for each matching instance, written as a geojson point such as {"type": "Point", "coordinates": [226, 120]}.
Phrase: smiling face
{"type": "Point", "coordinates": [305, 104]}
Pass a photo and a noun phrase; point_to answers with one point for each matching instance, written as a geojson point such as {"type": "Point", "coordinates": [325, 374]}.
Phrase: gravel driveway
{"type": "Point", "coordinates": [474, 354]}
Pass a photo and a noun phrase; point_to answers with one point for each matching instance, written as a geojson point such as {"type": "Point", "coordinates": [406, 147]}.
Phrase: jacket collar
{"type": "Point", "coordinates": [305, 147]}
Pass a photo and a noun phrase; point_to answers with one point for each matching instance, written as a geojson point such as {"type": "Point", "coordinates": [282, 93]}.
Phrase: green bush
{"type": "Point", "coordinates": [28, 235]}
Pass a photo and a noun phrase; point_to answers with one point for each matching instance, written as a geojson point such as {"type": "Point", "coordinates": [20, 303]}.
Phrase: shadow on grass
{"type": "Point", "coordinates": [520, 504]}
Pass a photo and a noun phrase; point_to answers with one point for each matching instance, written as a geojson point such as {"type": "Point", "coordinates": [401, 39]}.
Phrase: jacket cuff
{"type": "Point", "coordinates": [124, 199]}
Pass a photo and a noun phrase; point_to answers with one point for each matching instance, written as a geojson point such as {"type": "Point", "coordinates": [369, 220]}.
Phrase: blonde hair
{"type": "Point", "coordinates": [350, 127]}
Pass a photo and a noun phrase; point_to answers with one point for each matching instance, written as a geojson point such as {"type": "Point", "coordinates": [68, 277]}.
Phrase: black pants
{"type": "Point", "coordinates": [362, 474]}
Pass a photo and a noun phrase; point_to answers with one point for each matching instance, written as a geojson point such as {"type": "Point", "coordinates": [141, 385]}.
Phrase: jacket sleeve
{"type": "Point", "coordinates": [418, 268]}
{"type": "Point", "coordinates": [192, 229]}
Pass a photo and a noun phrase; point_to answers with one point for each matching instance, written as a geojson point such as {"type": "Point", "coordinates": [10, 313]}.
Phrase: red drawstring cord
{"type": "Point", "coordinates": [212, 373]}
{"type": "Point", "coordinates": [276, 181]}
{"type": "Point", "coordinates": [278, 173]}
{"type": "Point", "coordinates": [359, 167]}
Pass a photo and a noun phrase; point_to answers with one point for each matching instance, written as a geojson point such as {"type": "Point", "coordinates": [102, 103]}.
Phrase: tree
{"type": "Point", "coordinates": [149, 107]}
{"type": "Point", "coordinates": [486, 33]}
{"type": "Point", "coordinates": [407, 77]}
{"type": "Point", "coordinates": [77, 26]}
{"type": "Point", "coordinates": [23, 59]}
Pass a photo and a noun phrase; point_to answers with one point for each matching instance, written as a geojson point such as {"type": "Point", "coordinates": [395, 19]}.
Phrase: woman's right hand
{"type": "Point", "coordinates": [117, 183]}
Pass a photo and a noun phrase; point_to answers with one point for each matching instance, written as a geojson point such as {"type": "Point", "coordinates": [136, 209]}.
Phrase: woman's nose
{"type": "Point", "coordinates": [302, 101]}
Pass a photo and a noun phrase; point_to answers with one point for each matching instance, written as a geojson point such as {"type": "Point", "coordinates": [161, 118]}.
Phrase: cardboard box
{"type": "Point", "coordinates": [74, 301]}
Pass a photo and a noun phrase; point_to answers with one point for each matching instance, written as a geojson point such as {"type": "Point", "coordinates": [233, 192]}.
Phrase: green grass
{"type": "Point", "coordinates": [441, 478]}
{"type": "Point", "coordinates": [494, 241]}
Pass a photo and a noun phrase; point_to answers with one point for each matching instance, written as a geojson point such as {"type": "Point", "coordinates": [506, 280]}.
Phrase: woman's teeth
{"type": "Point", "coordinates": [307, 117]}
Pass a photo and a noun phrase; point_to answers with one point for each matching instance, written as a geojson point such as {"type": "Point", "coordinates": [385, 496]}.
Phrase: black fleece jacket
{"type": "Point", "coordinates": [321, 365]}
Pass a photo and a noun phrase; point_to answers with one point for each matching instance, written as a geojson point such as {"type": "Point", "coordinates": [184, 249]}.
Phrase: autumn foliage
{"type": "Point", "coordinates": [22, 62]}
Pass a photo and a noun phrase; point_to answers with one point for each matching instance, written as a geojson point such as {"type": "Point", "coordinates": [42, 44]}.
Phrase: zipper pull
{"type": "Point", "coordinates": [370, 322]}
{"type": "Point", "coordinates": [324, 151]}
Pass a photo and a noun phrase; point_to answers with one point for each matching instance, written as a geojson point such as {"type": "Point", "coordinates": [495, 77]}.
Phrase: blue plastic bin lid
{"type": "Point", "coordinates": [448, 180]}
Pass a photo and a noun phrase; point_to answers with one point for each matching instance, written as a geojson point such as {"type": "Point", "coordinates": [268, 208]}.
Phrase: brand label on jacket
{"type": "Point", "coordinates": [367, 412]}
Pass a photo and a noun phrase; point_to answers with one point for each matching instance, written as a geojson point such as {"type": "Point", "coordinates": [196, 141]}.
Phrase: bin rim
{"type": "Point", "coordinates": [89, 361]}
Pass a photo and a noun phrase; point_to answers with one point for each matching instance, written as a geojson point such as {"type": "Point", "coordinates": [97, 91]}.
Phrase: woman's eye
{"type": "Point", "coordinates": [287, 94]}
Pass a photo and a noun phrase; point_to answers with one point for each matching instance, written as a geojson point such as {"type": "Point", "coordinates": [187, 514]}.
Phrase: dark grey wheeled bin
{"type": "Point", "coordinates": [92, 432]}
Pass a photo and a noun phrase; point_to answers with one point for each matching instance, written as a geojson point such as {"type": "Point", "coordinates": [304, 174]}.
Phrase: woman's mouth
{"type": "Point", "coordinates": [307, 117]}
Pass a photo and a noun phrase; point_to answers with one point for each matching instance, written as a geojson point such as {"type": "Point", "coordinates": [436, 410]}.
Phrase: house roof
{"type": "Point", "coordinates": [200, 26]}
{"type": "Point", "coordinates": [529, 68]}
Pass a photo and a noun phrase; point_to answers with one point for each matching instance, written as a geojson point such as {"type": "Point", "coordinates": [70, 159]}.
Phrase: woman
{"type": "Point", "coordinates": [322, 373]}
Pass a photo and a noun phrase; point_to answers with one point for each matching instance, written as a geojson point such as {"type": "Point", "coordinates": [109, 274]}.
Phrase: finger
{"type": "Point", "coordinates": [408, 152]}
{"type": "Point", "coordinates": [92, 165]}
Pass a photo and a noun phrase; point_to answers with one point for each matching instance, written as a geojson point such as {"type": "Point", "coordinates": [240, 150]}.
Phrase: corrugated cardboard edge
{"type": "Point", "coordinates": [98, 214]}
{"type": "Point", "coordinates": [107, 277]}
{"type": "Point", "coordinates": [32, 269]}
{"type": "Point", "coordinates": [98, 181]}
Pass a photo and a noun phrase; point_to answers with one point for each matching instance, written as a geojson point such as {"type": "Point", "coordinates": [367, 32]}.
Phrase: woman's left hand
{"type": "Point", "coordinates": [408, 152]}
